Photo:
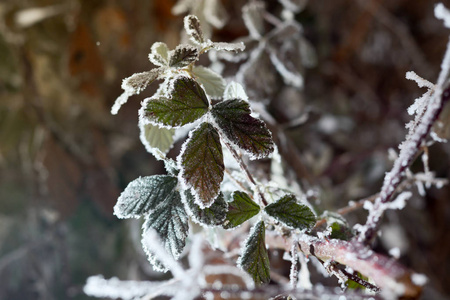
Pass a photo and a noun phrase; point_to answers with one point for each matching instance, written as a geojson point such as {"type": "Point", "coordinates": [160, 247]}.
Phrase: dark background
{"type": "Point", "coordinates": [64, 159]}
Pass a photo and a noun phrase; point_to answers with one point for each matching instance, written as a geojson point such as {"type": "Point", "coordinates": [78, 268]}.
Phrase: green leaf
{"type": "Point", "coordinates": [213, 83]}
{"type": "Point", "coordinates": [155, 137]}
{"type": "Point", "coordinates": [289, 212]}
{"type": "Point", "coordinates": [170, 221]}
{"type": "Point", "coordinates": [254, 259]}
{"type": "Point", "coordinates": [159, 54]}
{"type": "Point", "coordinates": [193, 29]}
{"type": "Point", "coordinates": [201, 162]}
{"type": "Point", "coordinates": [183, 55]}
{"type": "Point", "coordinates": [241, 209]}
{"type": "Point", "coordinates": [186, 104]}
{"type": "Point", "coordinates": [210, 216]}
{"type": "Point", "coordinates": [340, 229]}
{"type": "Point", "coordinates": [248, 133]}
{"type": "Point", "coordinates": [144, 194]}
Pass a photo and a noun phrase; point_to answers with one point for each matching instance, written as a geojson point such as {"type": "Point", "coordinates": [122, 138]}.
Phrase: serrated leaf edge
{"type": "Point", "coordinates": [185, 185]}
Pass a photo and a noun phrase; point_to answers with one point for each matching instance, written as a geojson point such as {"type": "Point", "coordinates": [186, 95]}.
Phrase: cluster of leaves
{"type": "Point", "coordinates": [218, 118]}
{"type": "Point", "coordinates": [282, 50]}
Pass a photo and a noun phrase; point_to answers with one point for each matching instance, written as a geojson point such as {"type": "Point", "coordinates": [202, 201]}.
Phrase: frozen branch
{"type": "Point", "coordinates": [388, 275]}
{"type": "Point", "coordinates": [408, 150]}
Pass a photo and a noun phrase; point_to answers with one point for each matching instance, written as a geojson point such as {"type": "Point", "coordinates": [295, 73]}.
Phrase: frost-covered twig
{"type": "Point", "coordinates": [433, 103]}
{"type": "Point", "coordinates": [408, 152]}
{"type": "Point", "coordinates": [246, 171]}
{"type": "Point", "coordinates": [388, 274]}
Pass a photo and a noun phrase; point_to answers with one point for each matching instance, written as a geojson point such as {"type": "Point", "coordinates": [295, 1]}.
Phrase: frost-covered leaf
{"type": "Point", "coordinates": [246, 132]}
{"type": "Point", "coordinates": [258, 76]}
{"type": "Point", "coordinates": [285, 52]}
{"type": "Point", "coordinates": [187, 104]}
{"type": "Point", "coordinates": [234, 91]}
{"type": "Point", "coordinates": [138, 82]}
{"type": "Point", "coordinates": [156, 138]}
{"type": "Point", "coordinates": [201, 162]}
{"type": "Point", "coordinates": [254, 259]}
{"type": "Point", "coordinates": [144, 194]}
{"type": "Point", "coordinates": [182, 56]}
{"type": "Point", "coordinates": [134, 85]}
{"type": "Point", "coordinates": [213, 83]}
{"type": "Point", "coordinates": [210, 216]}
{"type": "Point", "coordinates": [171, 167]}
{"type": "Point", "coordinates": [229, 46]}
{"type": "Point", "coordinates": [170, 221]}
{"type": "Point", "coordinates": [289, 212]}
{"type": "Point", "coordinates": [193, 29]}
{"type": "Point", "coordinates": [253, 15]}
{"type": "Point", "coordinates": [159, 54]}
{"type": "Point", "coordinates": [241, 209]}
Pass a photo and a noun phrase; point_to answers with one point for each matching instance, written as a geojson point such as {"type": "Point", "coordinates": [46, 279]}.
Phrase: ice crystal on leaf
{"type": "Point", "coordinates": [134, 85]}
{"type": "Point", "coordinates": [144, 194]}
{"type": "Point", "coordinates": [186, 104]}
{"type": "Point", "coordinates": [210, 216]}
{"type": "Point", "coordinates": [254, 259]}
{"type": "Point", "coordinates": [228, 46]}
{"type": "Point", "coordinates": [170, 221]}
{"type": "Point", "coordinates": [289, 212]}
{"type": "Point", "coordinates": [246, 132]}
{"type": "Point", "coordinates": [241, 209]}
{"type": "Point", "coordinates": [193, 29]}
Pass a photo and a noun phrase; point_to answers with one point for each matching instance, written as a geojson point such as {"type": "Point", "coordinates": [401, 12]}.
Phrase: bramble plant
{"type": "Point", "coordinates": [211, 184]}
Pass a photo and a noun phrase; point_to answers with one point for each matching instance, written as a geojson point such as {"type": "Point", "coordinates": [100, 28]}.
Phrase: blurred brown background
{"type": "Point", "coordinates": [64, 159]}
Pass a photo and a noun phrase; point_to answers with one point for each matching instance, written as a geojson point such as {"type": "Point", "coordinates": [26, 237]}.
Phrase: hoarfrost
{"type": "Point", "coordinates": [419, 279]}
{"type": "Point", "coordinates": [235, 91]}
{"type": "Point", "coordinates": [395, 252]}
{"type": "Point", "coordinates": [304, 277]}
{"type": "Point", "coordinates": [411, 75]}
{"type": "Point", "coordinates": [400, 201]}
{"type": "Point", "coordinates": [193, 29]}
{"type": "Point", "coordinates": [442, 13]}
{"type": "Point", "coordinates": [133, 85]}
{"type": "Point", "coordinates": [98, 286]}
{"type": "Point", "coordinates": [229, 46]}
{"type": "Point", "coordinates": [143, 194]}
{"type": "Point", "coordinates": [154, 247]}
{"type": "Point", "coordinates": [159, 54]}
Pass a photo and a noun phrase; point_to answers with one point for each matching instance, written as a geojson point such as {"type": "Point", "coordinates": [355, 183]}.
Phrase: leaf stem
{"type": "Point", "coordinates": [245, 170]}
